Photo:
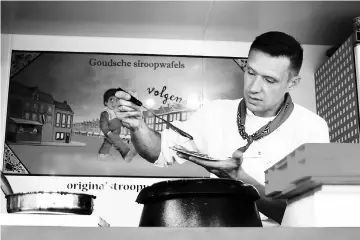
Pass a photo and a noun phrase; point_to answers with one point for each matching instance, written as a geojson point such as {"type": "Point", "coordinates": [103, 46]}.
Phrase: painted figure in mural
{"type": "Point", "coordinates": [110, 125]}
{"type": "Point", "coordinates": [247, 135]}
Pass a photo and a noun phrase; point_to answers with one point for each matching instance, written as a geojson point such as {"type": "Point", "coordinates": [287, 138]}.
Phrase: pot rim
{"type": "Point", "coordinates": [61, 193]}
{"type": "Point", "coordinates": [210, 187]}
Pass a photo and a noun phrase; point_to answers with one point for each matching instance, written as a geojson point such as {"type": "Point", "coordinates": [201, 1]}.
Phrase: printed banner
{"type": "Point", "coordinates": [59, 108]}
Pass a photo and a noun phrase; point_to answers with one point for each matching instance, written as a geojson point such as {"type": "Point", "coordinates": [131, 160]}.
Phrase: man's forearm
{"type": "Point", "coordinates": [272, 208]}
{"type": "Point", "coordinates": [147, 142]}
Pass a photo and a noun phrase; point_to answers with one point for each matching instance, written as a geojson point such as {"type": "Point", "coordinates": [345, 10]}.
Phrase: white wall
{"type": "Point", "coordinates": [314, 57]}
{"type": "Point", "coordinates": [4, 84]}
{"type": "Point", "coordinates": [304, 95]}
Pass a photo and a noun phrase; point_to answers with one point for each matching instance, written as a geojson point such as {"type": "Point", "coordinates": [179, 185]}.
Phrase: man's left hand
{"type": "Point", "coordinates": [229, 168]}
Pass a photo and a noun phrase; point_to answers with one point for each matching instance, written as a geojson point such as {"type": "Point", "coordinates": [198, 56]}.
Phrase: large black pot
{"type": "Point", "coordinates": [210, 202]}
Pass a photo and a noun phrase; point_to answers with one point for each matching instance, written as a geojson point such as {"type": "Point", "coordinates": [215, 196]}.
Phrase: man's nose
{"type": "Point", "coordinates": [256, 84]}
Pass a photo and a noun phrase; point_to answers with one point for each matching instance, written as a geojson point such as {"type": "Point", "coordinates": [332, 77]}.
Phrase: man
{"type": "Point", "coordinates": [248, 135]}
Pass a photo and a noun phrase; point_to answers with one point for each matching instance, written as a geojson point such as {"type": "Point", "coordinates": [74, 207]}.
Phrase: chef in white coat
{"type": "Point", "coordinates": [246, 135]}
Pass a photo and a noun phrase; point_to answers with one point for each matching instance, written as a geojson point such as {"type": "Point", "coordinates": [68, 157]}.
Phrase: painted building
{"type": "Point", "coordinates": [88, 128]}
{"type": "Point", "coordinates": [92, 128]}
{"type": "Point", "coordinates": [170, 114]}
{"type": "Point", "coordinates": [31, 115]}
{"type": "Point", "coordinates": [63, 122]}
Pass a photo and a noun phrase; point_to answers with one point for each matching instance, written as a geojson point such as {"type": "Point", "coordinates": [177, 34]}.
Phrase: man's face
{"type": "Point", "coordinates": [266, 81]}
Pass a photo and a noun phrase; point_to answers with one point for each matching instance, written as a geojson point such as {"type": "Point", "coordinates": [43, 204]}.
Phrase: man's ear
{"type": "Point", "coordinates": [293, 82]}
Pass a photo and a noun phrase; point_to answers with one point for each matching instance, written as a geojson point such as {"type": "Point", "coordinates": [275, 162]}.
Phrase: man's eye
{"type": "Point", "coordinates": [251, 72]}
{"type": "Point", "coordinates": [269, 80]}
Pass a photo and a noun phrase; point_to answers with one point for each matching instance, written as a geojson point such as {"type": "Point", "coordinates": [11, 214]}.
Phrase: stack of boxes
{"type": "Point", "coordinates": [322, 181]}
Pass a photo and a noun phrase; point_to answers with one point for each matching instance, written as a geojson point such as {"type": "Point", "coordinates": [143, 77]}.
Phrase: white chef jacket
{"type": "Point", "coordinates": [215, 131]}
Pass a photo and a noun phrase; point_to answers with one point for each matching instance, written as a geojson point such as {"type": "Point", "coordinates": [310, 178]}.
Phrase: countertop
{"type": "Point", "coordinates": [94, 233]}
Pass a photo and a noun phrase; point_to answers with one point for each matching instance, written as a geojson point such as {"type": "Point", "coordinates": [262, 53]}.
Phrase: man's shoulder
{"type": "Point", "coordinates": [214, 113]}
{"type": "Point", "coordinates": [222, 104]}
{"type": "Point", "coordinates": [308, 126]}
{"type": "Point", "coordinates": [307, 116]}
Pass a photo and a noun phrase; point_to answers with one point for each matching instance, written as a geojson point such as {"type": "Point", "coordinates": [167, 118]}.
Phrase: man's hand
{"type": "Point", "coordinates": [229, 168]}
{"type": "Point", "coordinates": [129, 113]}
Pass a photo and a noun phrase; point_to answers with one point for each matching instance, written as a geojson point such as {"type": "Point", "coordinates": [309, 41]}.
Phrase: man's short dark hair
{"type": "Point", "coordinates": [279, 44]}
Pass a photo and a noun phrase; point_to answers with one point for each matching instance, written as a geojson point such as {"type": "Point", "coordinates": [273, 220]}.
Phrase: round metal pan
{"type": "Point", "coordinates": [50, 202]}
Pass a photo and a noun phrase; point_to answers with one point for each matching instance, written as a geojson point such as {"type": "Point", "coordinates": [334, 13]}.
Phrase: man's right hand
{"type": "Point", "coordinates": [129, 113]}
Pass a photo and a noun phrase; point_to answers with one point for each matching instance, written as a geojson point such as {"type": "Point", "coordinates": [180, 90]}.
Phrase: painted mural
{"type": "Point", "coordinates": [56, 102]}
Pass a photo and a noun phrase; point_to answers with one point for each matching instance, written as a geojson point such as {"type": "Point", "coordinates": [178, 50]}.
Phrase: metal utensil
{"type": "Point", "coordinates": [46, 202]}
{"type": "Point", "coordinates": [5, 185]}
{"type": "Point", "coordinates": [50, 202]}
{"type": "Point", "coordinates": [176, 129]}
